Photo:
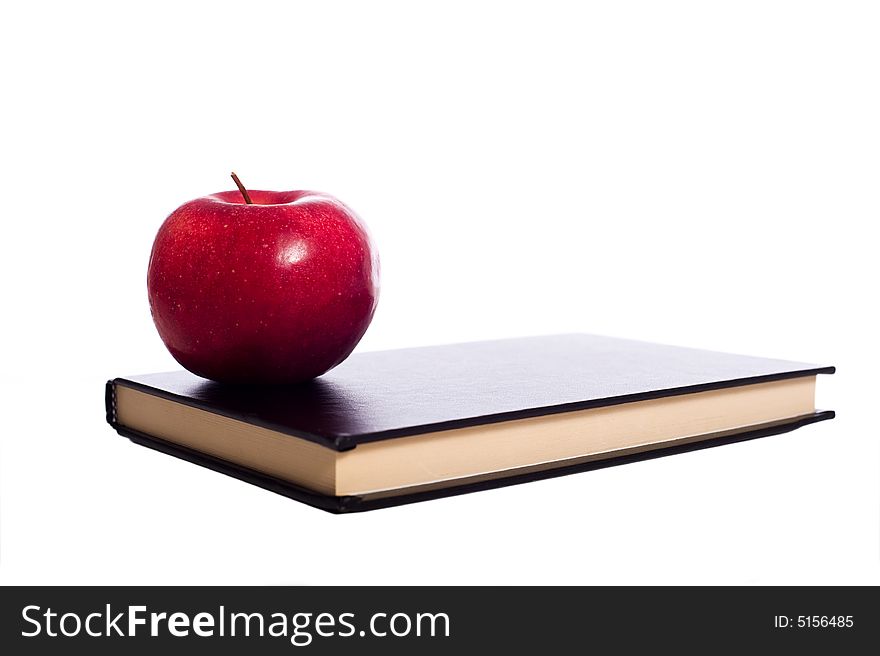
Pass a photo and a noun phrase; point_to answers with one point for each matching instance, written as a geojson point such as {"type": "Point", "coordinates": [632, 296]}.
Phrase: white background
{"type": "Point", "coordinates": [702, 174]}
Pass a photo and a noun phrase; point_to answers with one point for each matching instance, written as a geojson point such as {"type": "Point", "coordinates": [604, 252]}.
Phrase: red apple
{"type": "Point", "coordinates": [262, 286]}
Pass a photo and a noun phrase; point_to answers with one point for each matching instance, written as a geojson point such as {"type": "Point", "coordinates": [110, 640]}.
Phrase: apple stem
{"type": "Point", "coordinates": [244, 192]}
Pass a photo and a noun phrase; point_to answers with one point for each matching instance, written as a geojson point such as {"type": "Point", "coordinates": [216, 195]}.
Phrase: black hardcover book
{"type": "Point", "coordinates": [394, 427]}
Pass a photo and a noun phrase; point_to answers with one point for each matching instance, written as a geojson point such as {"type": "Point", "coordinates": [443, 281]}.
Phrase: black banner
{"type": "Point", "coordinates": [285, 620]}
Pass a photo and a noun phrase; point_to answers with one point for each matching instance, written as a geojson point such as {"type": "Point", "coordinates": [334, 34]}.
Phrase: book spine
{"type": "Point", "coordinates": [110, 403]}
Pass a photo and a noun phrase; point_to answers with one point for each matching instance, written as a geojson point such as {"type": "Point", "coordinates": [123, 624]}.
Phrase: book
{"type": "Point", "coordinates": [391, 427]}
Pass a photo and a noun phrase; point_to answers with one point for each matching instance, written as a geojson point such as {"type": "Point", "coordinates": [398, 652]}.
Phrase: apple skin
{"type": "Point", "coordinates": [278, 291]}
